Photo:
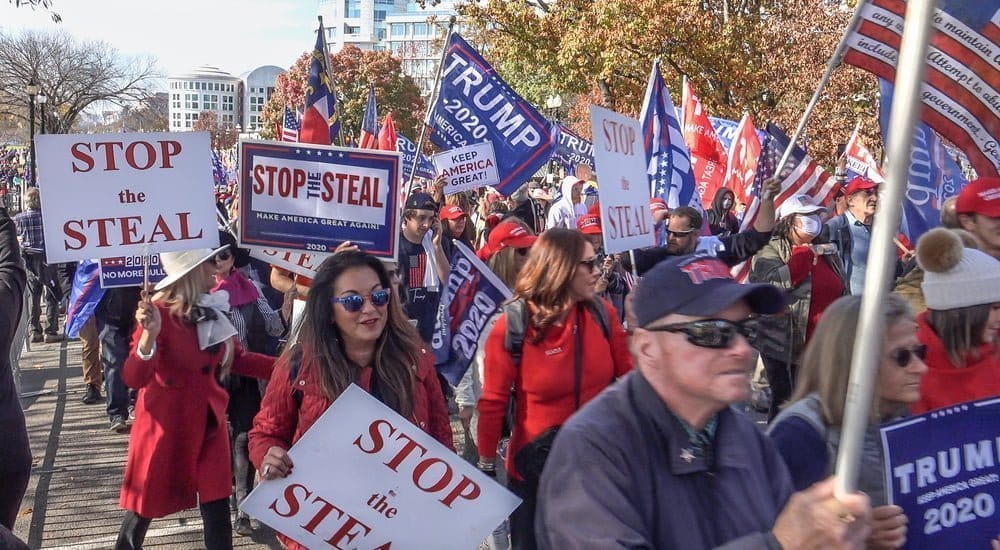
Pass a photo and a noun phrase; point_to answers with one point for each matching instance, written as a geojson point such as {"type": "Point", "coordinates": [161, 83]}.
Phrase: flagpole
{"type": "Point", "coordinates": [430, 106]}
{"type": "Point", "coordinates": [905, 114]}
{"type": "Point", "coordinates": [835, 59]}
{"type": "Point", "coordinates": [329, 74]}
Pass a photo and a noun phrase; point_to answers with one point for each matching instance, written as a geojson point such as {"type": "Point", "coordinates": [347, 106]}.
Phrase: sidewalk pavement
{"type": "Point", "coordinates": [72, 499]}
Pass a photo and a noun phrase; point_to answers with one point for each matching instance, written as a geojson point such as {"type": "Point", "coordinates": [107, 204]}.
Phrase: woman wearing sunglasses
{"type": "Point", "coordinates": [182, 351]}
{"type": "Point", "coordinates": [568, 356]}
{"type": "Point", "coordinates": [353, 332]}
{"type": "Point", "coordinates": [813, 276]}
{"type": "Point", "coordinates": [961, 326]}
{"type": "Point", "coordinates": [807, 431]}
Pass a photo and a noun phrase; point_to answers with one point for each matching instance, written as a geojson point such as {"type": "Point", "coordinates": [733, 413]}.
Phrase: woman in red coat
{"type": "Point", "coordinates": [562, 337]}
{"type": "Point", "coordinates": [178, 453]}
{"type": "Point", "coordinates": [354, 331]}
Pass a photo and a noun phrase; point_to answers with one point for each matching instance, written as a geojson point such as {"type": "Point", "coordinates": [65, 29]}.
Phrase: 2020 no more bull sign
{"type": "Point", "coordinates": [125, 194]}
{"type": "Point", "coordinates": [366, 478]}
{"type": "Point", "coordinates": [313, 197]}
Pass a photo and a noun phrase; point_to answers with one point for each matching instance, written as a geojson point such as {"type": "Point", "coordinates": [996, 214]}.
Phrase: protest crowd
{"type": "Point", "coordinates": [601, 382]}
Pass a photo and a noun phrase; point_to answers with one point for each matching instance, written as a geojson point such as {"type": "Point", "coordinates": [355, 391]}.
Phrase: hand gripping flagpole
{"type": "Point", "coordinates": [906, 108]}
{"type": "Point", "coordinates": [333, 83]}
{"type": "Point", "coordinates": [430, 107]}
{"type": "Point", "coordinates": [832, 64]}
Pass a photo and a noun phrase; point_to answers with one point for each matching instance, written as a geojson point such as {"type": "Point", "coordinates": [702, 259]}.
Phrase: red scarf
{"type": "Point", "coordinates": [241, 290]}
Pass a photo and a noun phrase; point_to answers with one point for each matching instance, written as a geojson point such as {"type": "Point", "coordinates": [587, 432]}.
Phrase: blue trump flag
{"type": "Point", "coordinates": [943, 469]}
{"type": "Point", "coordinates": [572, 150]}
{"type": "Point", "coordinates": [667, 156]}
{"type": "Point", "coordinates": [407, 152]}
{"type": "Point", "coordinates": [933, 175]}
{"type": "Point", "coordinates": [471, 296]}
{"type": "Point", "coordinates": [84, 297]}
{"type": "Point", "coordinates": [476, 105]}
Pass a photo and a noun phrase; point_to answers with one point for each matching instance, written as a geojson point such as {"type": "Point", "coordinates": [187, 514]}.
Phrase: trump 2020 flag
{"type": "Point", "coordinates": [320, 124]}
{"type": "Point", "coordinates": [408, 155]}
{"type": "Point", "coordinates": [472, 295]}
{"type": "Point", "coordinates": [930, 182]}
{"type": "Point", "coordinates": [572, 150]}
{"type": "Point", "coordinates": [667, 156]}
{"type": "Point", "coordinates": [476, 105]}
{"type": "Point", "coordinates": [961, 91]}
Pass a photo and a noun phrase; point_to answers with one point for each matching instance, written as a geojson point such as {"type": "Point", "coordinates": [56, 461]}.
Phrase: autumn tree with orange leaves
{"type": "Point", "coordinates": [764, 57]}
{"type": "Point", "coordinates": [352, 70]}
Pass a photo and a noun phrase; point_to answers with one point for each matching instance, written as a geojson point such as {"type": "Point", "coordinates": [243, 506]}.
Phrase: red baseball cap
{"type": "Point", "coordinates": [859, 183]}
{"type": "Point", "coordinates": [589, 224]}
{"type": "Point", "coordinates": [657, 204]}
{"type": "Point", "coordinates": [452, 212]}
{"type": "Point", "coordinates": [506, 235]}
{"type": "Point", "coordinates": [981, 196]}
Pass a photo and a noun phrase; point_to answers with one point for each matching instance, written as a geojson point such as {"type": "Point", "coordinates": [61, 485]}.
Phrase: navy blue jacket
{"type": "Point", "coordinates": [618, 477]}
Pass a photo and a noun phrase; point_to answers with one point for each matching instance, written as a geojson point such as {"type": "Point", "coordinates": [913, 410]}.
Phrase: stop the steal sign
{"type": "Point", "coordinates": [364, 477]}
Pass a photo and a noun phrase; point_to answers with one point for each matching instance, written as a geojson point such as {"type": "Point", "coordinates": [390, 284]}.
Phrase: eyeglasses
{"type": "Point", "coordinates": [591, 263]}
{"type": "Point", "coordinates": [222, 256]}
{"type": "Point", "coordinates": [712, 333]}
{"type": "Point", "coordinates": [903, 356]}
{"type": "Point", "coordinates": [679, 233]}
{"type": "Point", "coordinates": [354, 302]}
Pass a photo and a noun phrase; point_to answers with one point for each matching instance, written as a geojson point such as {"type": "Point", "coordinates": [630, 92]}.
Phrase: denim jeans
{"type": "Point", "coordinates": [114, 351]}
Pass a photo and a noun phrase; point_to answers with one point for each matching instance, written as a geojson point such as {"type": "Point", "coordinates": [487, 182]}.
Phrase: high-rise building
{"type": "Point", "coordinates": [258, 86]}
{"type": "Point", "coordinates": [360, 23]}
{"type": "Point", "coordinates": [236, 101]}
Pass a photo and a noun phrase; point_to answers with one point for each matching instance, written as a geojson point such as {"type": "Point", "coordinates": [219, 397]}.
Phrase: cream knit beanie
{"type": "Point", "coordinates": [955, 276]}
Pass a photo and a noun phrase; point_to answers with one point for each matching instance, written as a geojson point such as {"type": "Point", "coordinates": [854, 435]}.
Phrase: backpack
{"type": "Point", "coordinates": [517, 325]}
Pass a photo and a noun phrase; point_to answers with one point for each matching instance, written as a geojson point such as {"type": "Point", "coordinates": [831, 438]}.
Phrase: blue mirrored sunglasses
{"type": "Point", "coordinates": [354, 302]}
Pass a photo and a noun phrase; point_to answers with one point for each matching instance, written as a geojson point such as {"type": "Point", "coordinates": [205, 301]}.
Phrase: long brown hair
{"type": "Point", "coordinates": [396, 351]}
{"type": "Point", "coordinates": [544, 281]}
{"type": "Point", "coordinates": [826, 363]}
{"type": "Point", "coordinates": [960, 330]}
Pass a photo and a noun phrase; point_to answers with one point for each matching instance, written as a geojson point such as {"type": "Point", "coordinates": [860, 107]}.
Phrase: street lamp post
{"type": "Point", "coordinates": [41, 99]}
{"type": "Point", "coordinates": [552, 104]}
{"type": "Point", "coordinates": [32, 92]}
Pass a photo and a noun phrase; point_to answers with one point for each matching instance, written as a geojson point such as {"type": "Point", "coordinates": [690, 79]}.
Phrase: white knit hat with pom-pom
{"type": "Point", "coordinates": [956, 276]}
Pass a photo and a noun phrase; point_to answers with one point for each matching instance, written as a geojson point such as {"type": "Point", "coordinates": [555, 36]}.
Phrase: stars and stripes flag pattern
{"type": "Point", "coordinates": [320, 124]}
{"type": "Point", "coordinates": [369, 124]}
{"type": "Point", "coordinates": [289, 126]}
{"type": "Point", "coordinates": [667, 158]}
{"type": "Point", "coordinates": [859, 159]}
{"type": "Point", "coordinates": [961, 91]}
{"type": "Point", "coordinates": [708, 155]}
{"type": "Point", "coordinates": [801, 176]}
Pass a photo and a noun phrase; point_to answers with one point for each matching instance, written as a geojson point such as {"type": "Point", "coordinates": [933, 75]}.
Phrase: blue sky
{"type": "Point", "coordinates": [234, 35]}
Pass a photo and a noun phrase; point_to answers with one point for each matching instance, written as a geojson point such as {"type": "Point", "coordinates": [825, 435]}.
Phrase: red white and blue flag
{"type": "Point", "coordinates": [369, 124]}
{"type": "Point", "coordinates": [667, 158]}
{"type": "Point", "coordinates": [859, 159]}
{"type": "Point", "coordinates": [741, 167]}
{"type": "Point", "coordinates": [961, 92]}
{"type": "Point", "coordinates": [708, 155]}
{"type": "Point", "coordinates": [289, 126]}
{"type": "Point", "coordinates": [320, 124]}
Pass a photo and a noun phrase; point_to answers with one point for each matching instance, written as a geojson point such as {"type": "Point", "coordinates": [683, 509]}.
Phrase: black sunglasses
{"type": "Point", "coordinates": [355, 302]}
{"type": "Point", "coordinates": [591, 263]}
{"type": "Point", "coordinates": [679, 233]}
{"type": "Point", "coordinates": [222, 256]}
{"type": "Point", "coordinates": [712, 333]}
{"type": "Point", "coordinates": [903, 356]}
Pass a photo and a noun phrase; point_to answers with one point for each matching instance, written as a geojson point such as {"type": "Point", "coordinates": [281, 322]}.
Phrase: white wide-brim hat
{"type": "Point", "coordinates": [179, 264]}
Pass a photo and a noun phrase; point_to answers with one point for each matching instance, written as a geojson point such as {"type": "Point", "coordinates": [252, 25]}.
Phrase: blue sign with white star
{"type": "Point", "coordinates": [314, 197]}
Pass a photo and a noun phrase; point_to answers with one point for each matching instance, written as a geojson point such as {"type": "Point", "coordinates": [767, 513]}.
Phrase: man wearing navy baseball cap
{"type": "Point", "coordinates": [661, 460]}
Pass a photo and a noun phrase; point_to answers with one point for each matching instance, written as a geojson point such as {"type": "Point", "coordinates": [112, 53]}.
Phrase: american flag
{"type": "Point", "coordinates": [667, 156]}
{"type": "Point", "coordinates": [289, 126]}
{"type": "Point", "coordinates": [801, 176]}
{"type": "Point", "coordinates": [961, 90]}
{"type": "Point", "coordinates": [320, 124]}
{"type": "Point", "coordinates": [369, 124]}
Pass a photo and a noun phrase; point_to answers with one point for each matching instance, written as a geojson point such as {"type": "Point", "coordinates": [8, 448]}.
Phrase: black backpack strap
{"type": "Point", "coordinates": [600, 312]}
{"type": "Point", "coordinates": [517, 324]}
{"type": "Point", "coordinates": [294, 365]}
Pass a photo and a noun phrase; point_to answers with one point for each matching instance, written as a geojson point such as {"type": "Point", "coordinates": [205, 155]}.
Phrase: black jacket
{"type": "Point", "coordinates": [736, 248]}
{"type": "Point", "coordinates": [15, 455]}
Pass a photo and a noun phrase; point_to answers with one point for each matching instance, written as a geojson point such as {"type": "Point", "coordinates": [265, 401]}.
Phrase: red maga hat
{"type": "Point", "coordinates": [981, 196]}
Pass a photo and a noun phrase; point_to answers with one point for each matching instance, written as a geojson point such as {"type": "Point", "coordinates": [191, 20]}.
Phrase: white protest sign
{"type": "Point", "coordinates": [366, 478]}
{"type": "Point", "coordinates": [296, 261]}
{"type": "Point", "coordinates": [620, 161]}
{"type": "Point", "coordinates": [106, 195]}
{"type": "Point", "coordinates": [468, 167]}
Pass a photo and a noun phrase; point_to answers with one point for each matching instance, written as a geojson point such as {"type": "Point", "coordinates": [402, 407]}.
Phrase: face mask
{"type": "Point", "coordinates": [810, 225]}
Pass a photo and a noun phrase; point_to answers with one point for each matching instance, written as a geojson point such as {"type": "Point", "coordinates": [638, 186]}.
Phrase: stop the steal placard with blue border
{"type": "Point", "coordinates": [313, 197]}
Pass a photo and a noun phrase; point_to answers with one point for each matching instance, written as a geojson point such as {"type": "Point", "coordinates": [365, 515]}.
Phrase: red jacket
{"type": "Point", "coordinates": [545, 378]}
{"type": "Point", "coordinates": [945, 384]}
{"type": "Point", "coordinates": [178, 452]}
